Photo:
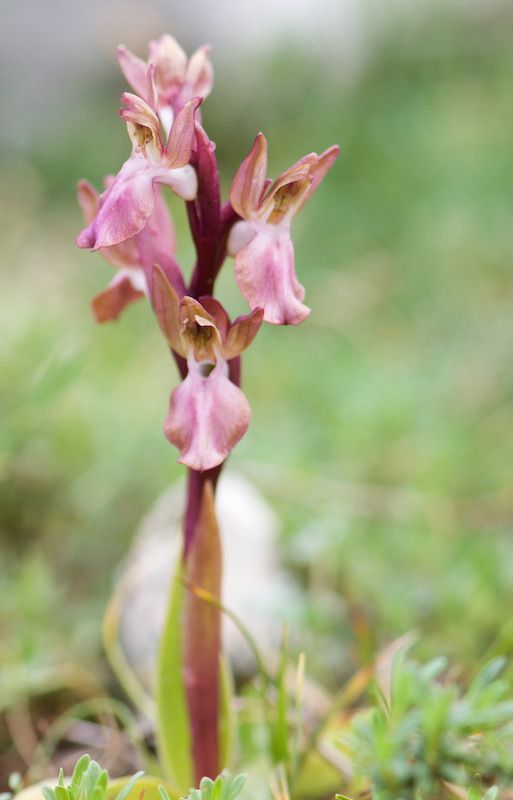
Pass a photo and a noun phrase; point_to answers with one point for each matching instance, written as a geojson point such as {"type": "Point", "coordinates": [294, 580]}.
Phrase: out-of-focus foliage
{"type": "Point", "coordinates": [424, 736]}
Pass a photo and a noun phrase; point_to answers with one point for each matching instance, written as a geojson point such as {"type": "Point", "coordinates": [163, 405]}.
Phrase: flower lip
{"type": "Point", "coordinates": [207, 416]}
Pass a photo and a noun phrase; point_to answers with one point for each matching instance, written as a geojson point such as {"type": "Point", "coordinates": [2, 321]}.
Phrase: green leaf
{"type": "Point", "coordinates": [174, 738]}
{"type": "Point", "coordinates": [90, 779]}
{"type": "Point", "coordinates": [225, 787]}
{"type": "Point", "coordinates": [280, 727]}
{"type": "Point", "coordinates": [485, 676]}
{"type": "Point", "coordinates": [148, 786]}
{"type": "Point", "coordinates": [79, 770]}
{"type": "Point", "coordinates": [235, 785]}
{"type": "Point", "coordinates": [226, 718]}
{"type": "Point", "coordinates": [61, 793]}
{"type": "Point", "coordinates": [125, 791]}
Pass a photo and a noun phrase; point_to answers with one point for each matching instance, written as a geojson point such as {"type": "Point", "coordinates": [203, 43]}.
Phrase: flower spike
{"type": "Point", "coordinates": [260, 242]}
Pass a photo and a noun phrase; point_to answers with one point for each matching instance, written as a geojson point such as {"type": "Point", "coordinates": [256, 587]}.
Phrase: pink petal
{"type": "Point", "coordinates": [125, 208]}
{"type": "Point", "coordinates": [182, 134]}
{"type": "Point", "coordinates": [170, 61]}
{"type": "Point", "coordinates": [207, 416]}
{"type": "Point", "coordinates": [134, 69]}
{"type": "Point", "coordinates": [265, 273]}
{"type": "Point", "coordinates": [161, 226]}
{"type": "Point", "coordinates": [127, 205]}
{"type": "Point", "coordinates": [200, 75]}
{"type": "Point", "coordinates": [249, 181]}
{"type": "Point", "coordinates": [89, 200]}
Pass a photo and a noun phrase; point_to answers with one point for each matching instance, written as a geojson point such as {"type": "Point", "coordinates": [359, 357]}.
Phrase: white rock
{"type": "Point", "coordinates": [254, 586]}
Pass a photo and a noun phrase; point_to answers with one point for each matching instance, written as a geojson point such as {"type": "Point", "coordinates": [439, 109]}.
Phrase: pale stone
{"type": "Point", "coordinates": [254, 586]}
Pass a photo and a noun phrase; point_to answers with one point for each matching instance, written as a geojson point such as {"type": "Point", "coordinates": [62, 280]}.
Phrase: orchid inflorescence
{"type": "Point", "coordinates": [130, 225]}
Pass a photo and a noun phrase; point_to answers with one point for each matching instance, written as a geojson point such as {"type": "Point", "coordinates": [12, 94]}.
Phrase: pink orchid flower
{"type": "Point", "coordinates": [167, 81]}
{"type": "Point", "coordinates": [129, 202]}
{"type": "Point", "coordinates": [134, 257]}
{"type": "Point", "coordinates": [261, 243]}
{"type": "Point", "coordinates": [208, 414]}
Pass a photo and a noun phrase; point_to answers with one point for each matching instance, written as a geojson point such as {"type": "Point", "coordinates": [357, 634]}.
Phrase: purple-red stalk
{"type": "Point", "coordinates": [210, 225]}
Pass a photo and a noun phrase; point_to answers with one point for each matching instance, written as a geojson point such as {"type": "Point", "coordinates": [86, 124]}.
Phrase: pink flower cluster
{"type": "Point", "coordinates": [130, 225]}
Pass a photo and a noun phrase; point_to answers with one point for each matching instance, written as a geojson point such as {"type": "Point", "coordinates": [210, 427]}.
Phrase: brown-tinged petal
{"type": "Point", "coordinates": [317, 173]}
{"type": "Point", "coordinates": [285, 194]}
{"type": "Point", "coordinates": [108, 305]}
{"type": "Point", "coordinates": [142, 123]}
{"type": "Point", "coordinates": [166, 306]}
{"type": "Point", "coordinates": [218, 312]}
{"type": "Point", "coordinates": [242, 332]}
{"type": "Point", "coordinates": [199, 330]}
{"type": "Point", "coordinates": [249, 181]}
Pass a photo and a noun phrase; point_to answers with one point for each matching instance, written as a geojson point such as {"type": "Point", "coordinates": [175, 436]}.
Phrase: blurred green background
{"type": "Point", "coordinates": [382, 427]}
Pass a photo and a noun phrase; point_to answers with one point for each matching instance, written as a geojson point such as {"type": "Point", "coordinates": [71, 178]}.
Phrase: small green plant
{"type": "Point", "coordinates": [88, 782]}
{"type": "Point", "coordinates": [225, 787]}
{"type": "Point", "coordinates": [424, 736]}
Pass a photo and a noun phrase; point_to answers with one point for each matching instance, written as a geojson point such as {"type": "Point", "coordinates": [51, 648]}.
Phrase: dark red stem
{"type": "Point", "coordinates": [195, 483]}
{"type": "Point", "coordinates": [210, 224]}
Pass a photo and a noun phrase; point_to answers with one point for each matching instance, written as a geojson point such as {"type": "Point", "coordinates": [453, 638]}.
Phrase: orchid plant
{"type": "Point", "coordinates": [208, 414]}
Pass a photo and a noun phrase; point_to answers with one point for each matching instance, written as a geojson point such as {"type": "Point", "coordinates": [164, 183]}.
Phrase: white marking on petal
{"type": "Point", "coordinates": [182, 180]}
{"type": "Point", "coordinates": [166, 116]}
{"type": "Point", "coordinates": [135, 276]}
{"type": "Point", "coordinates": [240, 235]}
